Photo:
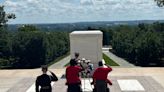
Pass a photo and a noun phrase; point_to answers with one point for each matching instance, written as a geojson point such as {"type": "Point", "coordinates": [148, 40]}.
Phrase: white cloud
{"type": "Point", "coordinates": [86, 2]}
{"type": "Point", "coordinates": [80, 10]}
{"type": "Point", "coordinates": [11, 4]}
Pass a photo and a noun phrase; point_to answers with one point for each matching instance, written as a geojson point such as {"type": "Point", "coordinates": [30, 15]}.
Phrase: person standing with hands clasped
{"type": "Point", "coordinates": [100, 78]}
{"type": "Point", "coordinates": [44, 80]}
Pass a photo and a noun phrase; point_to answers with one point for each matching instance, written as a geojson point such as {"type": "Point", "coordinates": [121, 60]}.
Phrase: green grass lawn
{"type": "Point", "coordinates": [109, 61]}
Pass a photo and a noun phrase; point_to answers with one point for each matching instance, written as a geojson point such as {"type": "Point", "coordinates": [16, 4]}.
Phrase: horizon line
{"type": "Point", "coordinates": [87, 22]}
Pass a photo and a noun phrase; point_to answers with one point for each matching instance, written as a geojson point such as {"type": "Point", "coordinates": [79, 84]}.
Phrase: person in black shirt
{"type": "Point", "coordinates": [77, 57]}
{"type": "Point", "coordinates": [44, 80]}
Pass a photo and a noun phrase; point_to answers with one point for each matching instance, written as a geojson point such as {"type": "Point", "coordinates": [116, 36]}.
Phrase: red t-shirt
{"type": "Point", "coordinates": [72, 74]}
{"type": "Point", "coordinates": [101, 73]}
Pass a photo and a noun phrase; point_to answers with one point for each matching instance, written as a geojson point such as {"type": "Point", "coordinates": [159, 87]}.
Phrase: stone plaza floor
{"type": "Point", "coordinates": [124, 80]}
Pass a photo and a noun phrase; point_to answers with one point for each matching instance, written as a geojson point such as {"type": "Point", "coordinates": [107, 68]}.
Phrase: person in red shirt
{"type": "Point", "coordinates": [72, 77]}
{"type": "Point", "coordinates": [100, 78]}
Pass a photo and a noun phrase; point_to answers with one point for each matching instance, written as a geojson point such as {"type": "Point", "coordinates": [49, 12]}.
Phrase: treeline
{"type": "Point", "coordinates": [30, 48]}
{"type": "Point", "coordinates": [141, 45]}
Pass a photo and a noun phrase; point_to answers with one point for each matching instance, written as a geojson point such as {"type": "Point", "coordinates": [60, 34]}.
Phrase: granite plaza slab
{"type": "Point", "coordinates": [152, 79]}
{"type": "Point", "coordinates": [130, 85]}
{"type": "Point", "coordinates": [147, 82]}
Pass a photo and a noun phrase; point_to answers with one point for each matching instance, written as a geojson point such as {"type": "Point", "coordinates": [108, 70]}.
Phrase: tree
{"type": "Point", "coordinates": [26, 28]}
{"type": "Point", "coordinates": [28, 49]}
{"type": "Point", "coordinates": [5, 43]}
{"type": "Point", "coordinates": [148, 48]}
{"type": "Point", "coordinates": [5, 17]}
{"type": "Point", "coordinates": [32, 49]}
{"type": "Point", "coordinates": [142, 46]}
{"type": "Point", "coordinates": [107, 35]}
{"type": "Point", "coordinates": [158, 27]}
{"type": "Point", "coordinates": [5, 37]}
{"type": "Point", "coordinates": [160, 3]}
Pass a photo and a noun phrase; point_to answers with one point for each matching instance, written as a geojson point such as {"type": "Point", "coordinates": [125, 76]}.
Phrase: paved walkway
{"type": "Point", "coordinates": [151, 79]}
{"type": "Point", "coordinates": [138, 84]}
{"type": "Point", "coordinates": [129, 79]}
{"type": "Point", "coordinates": [61, 63]}
{"type": "Point", "coordinates": [118, 60]}
{"type": "Point", "coordinates": [123, 63]}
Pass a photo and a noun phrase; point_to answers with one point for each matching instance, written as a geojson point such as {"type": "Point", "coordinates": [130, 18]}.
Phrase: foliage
{"type": "Point", "coordinates": [5, 44]}
{"type": "Point", "coordinates": [30, 49]}
{"type": "Point", "coordinates": [160, 3]}
{"type": "Point", "coordinates": [107, 35]}
{"type": "Point", "coordinates": [33, 49]}
{"type": "Point", "coordinates": [142, 46]}
{"type": "Point", "coordinates": [28, 28]}
{"type": "Point", "coordinates": [148, 48]}
{"type": "Point", "coordinates": [5, 17]}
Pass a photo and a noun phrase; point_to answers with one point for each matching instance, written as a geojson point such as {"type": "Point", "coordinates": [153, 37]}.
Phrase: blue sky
{"type": "Point", "coordinates": [62, 11]}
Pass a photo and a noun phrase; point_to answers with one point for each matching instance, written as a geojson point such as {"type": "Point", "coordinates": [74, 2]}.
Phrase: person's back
{"type": "Point", "coordinates": [44, 81]}
{"type": "Point", "coordinates": [72, 73]}
{"type": "Point", "coordinates": [100, 78]}
{"type": "Point", "coordinates": [72, 77]}
{"type": "Point", "coordinates": [101, 73]}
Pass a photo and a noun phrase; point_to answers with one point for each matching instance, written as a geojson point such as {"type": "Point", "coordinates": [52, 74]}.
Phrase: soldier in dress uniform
{"type": "Point", "coordinates": [44, 80]}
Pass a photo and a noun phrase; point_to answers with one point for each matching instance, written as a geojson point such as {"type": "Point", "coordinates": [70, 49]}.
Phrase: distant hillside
{"type": "Point", "coordinates": [82, 25]}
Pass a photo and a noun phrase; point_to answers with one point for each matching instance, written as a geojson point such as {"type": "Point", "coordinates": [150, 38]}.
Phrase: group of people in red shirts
{"type": "Point", "coordinates": [73, 81]}
{"type": "Point", "coordinates": [99, 76]}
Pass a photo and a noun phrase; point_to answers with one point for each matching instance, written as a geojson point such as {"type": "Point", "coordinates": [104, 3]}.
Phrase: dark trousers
{"type": "Point", "coordinates": [101, 86]}
{"type": "Point", "coordinates": [74, 88]}
{"type": "Point", "coordinates": [45, 90]}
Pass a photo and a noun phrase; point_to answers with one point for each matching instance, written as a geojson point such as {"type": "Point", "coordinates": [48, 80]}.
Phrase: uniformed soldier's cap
{"type": "Point", "coordinates": [44, 67]}
{"type": "Point", "coordinates": [76, 54]}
